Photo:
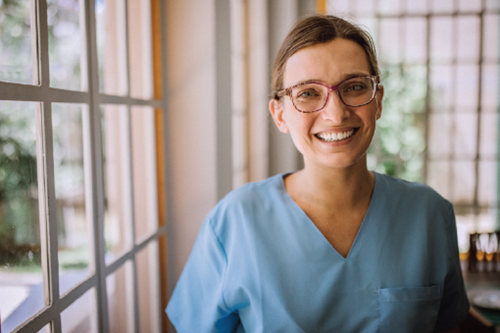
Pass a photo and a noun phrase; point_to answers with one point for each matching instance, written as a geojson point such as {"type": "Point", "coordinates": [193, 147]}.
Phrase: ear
{"type": "Point", "coordinates": [378, 98]}
{"type": "Point", "coordinates": [277, 111]}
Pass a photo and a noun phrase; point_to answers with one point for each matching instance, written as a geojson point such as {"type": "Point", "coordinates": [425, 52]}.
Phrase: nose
{"type": "Point", "coordinates": [335, 110]}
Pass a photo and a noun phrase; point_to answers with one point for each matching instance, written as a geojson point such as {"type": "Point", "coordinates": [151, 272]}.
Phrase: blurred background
{"type": "Point", "coordinates": [439, 61]}
{"type": "Point", "coordinates": [123, 122]}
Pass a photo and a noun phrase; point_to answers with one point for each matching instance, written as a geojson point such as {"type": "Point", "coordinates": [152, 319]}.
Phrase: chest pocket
{"type": "Point", "coordinates": [409, 309]}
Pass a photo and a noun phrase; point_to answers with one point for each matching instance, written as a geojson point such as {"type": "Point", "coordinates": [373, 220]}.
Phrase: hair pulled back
{"type": "Point", "coordinates": [319, 29]}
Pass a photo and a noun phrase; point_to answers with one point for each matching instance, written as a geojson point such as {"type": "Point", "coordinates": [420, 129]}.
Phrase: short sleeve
{"type": "Point", "coordinates": [197, 303]}
{"type": "Point", "coordinates": [454, 304]}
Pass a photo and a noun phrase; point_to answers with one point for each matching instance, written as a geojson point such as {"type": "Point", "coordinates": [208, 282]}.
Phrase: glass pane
{"type": "Point", "coordinates": [442, 84]}
{"type": "Point", "coordinates": [467, 81]}
{"type": "Point", "coordinates": [73, 232]}
{"type": "Point", "coordinates": [488, 147]}
{"type": "Point", "coordinates": [442, 6]}
{"type": "Point", "coordinates": [369, 24]}
{"type": "Point", "coordinates": [115, 127]}
{"type": "Point", "coordinates": [21, 287]}
{"type": "Point", "coordinates": [416, 7]}
{"type": "Point", "coordinates": [111, 48]}
{"type": "Point", "coordinates": [468, 38]}
{"type": "Point", "coordinates": [338, 7]}
{"type": "Point", "coordinates": [140, 49]}
{"type": "Point", "coordinates": [438, 173]}
{"type": "Point", "coordinates": [492, 4]}
{"type": "Point", "coordinates": [45, 329]}
{"type": "Point", "coordinates": [399, 138]}
{"type": "Point", "coordinates": [439, 135]}
{"type": "Point", "coordinates": [469, 5]}
{"type": "Point", "coordinates": [120, 301]}
{"type": "Point", "coordinates": [79, 316]}
{"type": "Point", "coordinates": [389, 6]}
{"type": "Point", "coordinates": [16, 63]}
{"type": "Point", "coordinates": [148, 288]}
{"type": "Point", "coordinates": [416, 40]}
{"type": "Point", "coordinates": [463, 182]}
{"type": "Point", "coordinates": [390, 40]}
{"type": "Point", "coordinates": [144, 171]}
{"type": "Point", "coordinates": [491, 35]}
{"type": "Point", "coordinates": [442, 39]}
{"type": "Point", "coordinates": [491, 86]}
{"type": "Point", "coordinates": [465, 133]}
{"type": "Point", "coordinates": [365, 7]}
{"type": "Point", "coordinates": [65, 44]}
{"type": "Point", "coordinates": [487, 189]}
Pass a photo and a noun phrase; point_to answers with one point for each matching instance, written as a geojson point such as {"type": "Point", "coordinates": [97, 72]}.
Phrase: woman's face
{"type": "Point", "coordinates": [329, 63]}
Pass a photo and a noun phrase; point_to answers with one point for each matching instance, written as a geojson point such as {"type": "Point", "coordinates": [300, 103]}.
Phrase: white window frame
{"type": "Point", "coordinates": [90, 96]}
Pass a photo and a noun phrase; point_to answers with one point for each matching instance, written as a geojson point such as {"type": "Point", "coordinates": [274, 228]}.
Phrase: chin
{"type": "Point", "coordinates": [339, 162]}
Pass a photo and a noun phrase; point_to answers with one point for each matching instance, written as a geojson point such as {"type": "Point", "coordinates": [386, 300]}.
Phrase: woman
{"type": "Point", "coordinates": [332, 247]}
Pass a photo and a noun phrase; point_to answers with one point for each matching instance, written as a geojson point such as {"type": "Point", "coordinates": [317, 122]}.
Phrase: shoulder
{"type": "Point", "coordinates": [255, 191]}
{"type": "Point", "coordinates": [247, 202]}
{"type": "Point", "coordinates": [411, 193]}
{"type": "Point", "coordinates": [414, 206]}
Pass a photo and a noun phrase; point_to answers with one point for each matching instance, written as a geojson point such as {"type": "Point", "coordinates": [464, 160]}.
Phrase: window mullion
{"type": "Point", "coordinates": [93, 163]}
{"type": "Point", "coordinates": [48, 222]}
{"type": "Point", "coordinates": [477, 210]}
{"type": "Point", "coordinates": [126, 147]}
{"type": "Point", "coordinates": [452, 112]}
{"type": "Point", "coordinates": [427, 108]}
{"type": "Point", "coordinates": [48, 219]}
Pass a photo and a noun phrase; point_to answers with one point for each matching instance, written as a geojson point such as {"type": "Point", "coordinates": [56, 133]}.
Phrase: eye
{"type": "Point", "coordinates": [307, 94]}
{"type": "Point", "coordinates": [355, 87]}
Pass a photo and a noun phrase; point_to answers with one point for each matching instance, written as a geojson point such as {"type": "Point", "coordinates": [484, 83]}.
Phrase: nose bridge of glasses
{"type": "Point", "coordinates": [335, 89]}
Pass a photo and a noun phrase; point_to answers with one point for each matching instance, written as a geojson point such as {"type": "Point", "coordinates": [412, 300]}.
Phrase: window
{"type": "Point", "coordinates": [82, 235]}
{"type": "Point", "coordinates": [440, 69]}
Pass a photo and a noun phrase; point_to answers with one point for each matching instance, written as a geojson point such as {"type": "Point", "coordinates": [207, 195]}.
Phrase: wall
{"type": "Point", "coordinates": [190, 125]}
{"type": "Point", "coordinates": [217, 124]}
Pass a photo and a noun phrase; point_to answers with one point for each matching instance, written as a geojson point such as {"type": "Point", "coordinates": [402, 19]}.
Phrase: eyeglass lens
{"type": "Point", "coordinates": [313, 97]}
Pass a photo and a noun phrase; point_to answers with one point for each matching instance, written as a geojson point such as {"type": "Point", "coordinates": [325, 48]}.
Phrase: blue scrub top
{"type": "Point", "coordinates": [260, 264]}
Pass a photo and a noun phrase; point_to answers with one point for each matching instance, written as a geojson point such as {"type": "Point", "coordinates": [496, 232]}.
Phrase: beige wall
{"type": "Point", "coordinates": [193, 76]}
{"type": "Point", "coordinates": [191, 127]}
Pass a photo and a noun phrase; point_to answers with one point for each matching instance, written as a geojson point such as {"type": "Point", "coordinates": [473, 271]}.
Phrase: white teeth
{"type": "Point", "coordinates": [330, 137]}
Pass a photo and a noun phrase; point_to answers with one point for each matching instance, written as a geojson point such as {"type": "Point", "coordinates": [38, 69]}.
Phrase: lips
{"type": "Point", "coordinates": [333, 137]}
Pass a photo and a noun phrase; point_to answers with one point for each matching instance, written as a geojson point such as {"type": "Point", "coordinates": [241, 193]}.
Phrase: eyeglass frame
{"type": "Point", "coordinates": [288, 91]}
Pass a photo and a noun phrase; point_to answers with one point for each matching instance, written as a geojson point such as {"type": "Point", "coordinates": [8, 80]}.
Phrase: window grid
{"type": "Point", "coordinates": [473, 207]}
{"type": "Point", "coordinates": [45, 96]}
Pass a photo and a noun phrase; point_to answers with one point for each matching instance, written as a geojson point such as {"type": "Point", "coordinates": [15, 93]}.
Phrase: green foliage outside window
{"type": "Point", "coordinates": [15, 41]}
{"type": "Point", "coordinates": [19, 226]}
{"type": "Point", "coordinates": [399, 143]}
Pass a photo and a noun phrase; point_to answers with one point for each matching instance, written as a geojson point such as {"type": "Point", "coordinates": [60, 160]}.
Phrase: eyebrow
{"type": "Point", "coordinates": [342, 78]}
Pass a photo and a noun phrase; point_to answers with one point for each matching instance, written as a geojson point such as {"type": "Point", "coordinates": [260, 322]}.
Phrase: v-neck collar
{"type": "Point", "coordinates": [310, 224]}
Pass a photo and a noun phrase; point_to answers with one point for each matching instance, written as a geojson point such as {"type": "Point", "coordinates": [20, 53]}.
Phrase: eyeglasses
{"type": "Point", "coordinates": [312, 96]}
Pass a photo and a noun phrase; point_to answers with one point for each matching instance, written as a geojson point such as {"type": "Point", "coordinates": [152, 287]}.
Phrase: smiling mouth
{"type": "Point", "coordinates": [332, 137]}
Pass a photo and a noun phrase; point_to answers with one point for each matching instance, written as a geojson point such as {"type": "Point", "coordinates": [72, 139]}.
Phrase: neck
{"type": "Point", "coordinates": [336, 188]}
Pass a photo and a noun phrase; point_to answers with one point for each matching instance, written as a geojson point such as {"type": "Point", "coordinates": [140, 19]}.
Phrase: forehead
{"type": "Point", "coordinates": [327, 62]}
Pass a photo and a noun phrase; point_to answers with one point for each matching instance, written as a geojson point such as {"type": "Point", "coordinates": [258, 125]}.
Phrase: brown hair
{"type": "Point", "coordinates": [319, 29]}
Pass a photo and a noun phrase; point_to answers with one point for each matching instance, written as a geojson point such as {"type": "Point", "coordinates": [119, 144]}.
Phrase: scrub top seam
{"type": "Point", "coordinates": [450, 221]}
{"type": "Point", "coordinates": [451, 224]}
{"type": "Point", "coordinates": [225, 266]}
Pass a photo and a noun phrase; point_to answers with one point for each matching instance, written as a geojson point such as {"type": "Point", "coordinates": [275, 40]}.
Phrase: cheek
{"type": "Point", "coordinates": [300, 132]}
{"type": "Point", "coordinates": [294, 121]}
{"type": "Point", "coordinates": [299, 123]}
